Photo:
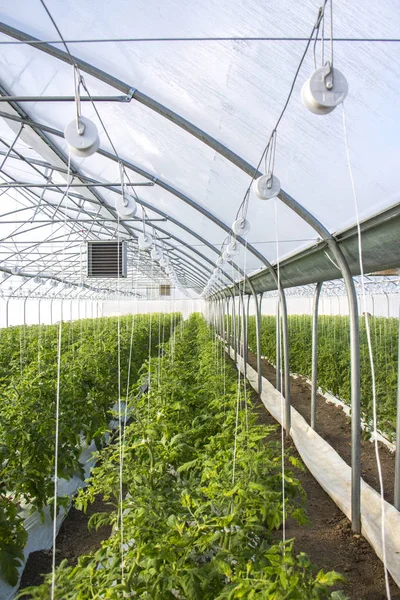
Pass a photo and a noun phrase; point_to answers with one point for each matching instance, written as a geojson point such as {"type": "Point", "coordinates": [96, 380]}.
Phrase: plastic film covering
{"type": "Point", "coordinates": [234, 90]}
{"type": "Point", "coordinates": [334, 476]}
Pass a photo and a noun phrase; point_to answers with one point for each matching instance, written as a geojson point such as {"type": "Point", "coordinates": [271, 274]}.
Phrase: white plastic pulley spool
{"type": "Point", "coordinates": [54, 283]}
{"type": "Point", "coordinates": [85, 143]}
{"type": "Point", "coordinates": [164, 261]}
{"type": "Point", "coordinates": [156, 253]}
{"type": "Point", "coordinates": [15, 269]}
{"type": "Point", "coordinates": [324, 90]}
{"type": "Point", "coordinates": [145, 241]}
{"type": "Point", "coordinates": [233, 249]}
{"type": "Point", "coordinates": [125, 206]}
{"type": "Point", "coordinates": [37, 279]}
{"type": "Point", "coordinates": [266, 187]}
{"type": "Point", "coordinates": [241, 226]}
{"type": "Point", "coordinates": [226, 256]}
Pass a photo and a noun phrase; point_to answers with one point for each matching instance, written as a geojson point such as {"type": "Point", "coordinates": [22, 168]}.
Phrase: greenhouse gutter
{"type": "Point", "coordinates": [381, 250]}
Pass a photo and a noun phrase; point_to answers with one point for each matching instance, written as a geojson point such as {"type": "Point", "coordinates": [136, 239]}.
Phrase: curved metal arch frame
{"type": "Point", "coordinates": [290, 202]}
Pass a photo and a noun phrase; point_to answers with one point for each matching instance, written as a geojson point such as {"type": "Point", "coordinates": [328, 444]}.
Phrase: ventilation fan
{"type": "Point", "coordinates": [106, 259]}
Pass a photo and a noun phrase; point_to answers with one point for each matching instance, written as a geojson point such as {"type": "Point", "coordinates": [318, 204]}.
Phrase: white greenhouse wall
{"type": "Point", "coordinates": [125, 307]}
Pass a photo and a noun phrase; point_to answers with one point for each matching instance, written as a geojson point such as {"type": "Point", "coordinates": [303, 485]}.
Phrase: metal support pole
{"type": "Point", "coordinates": [258, 341]}
{"type": "Point", "coordinates": [7, 301]}
{"type": "Point", "coordinates": [278, 348]}
{"type": "Point", "coordinates": [51, 311]}
{"type": "Point", "coordinates": [227, 332]}
{"type": "Point", "coordinates": [239, 324]}
{"type": "Point", "coordinates": [397, 460]}
{"type": "Point", "coordinates": [314, 356]}
{"type": "Point", "coordinates": [234, 329]}
{"type": "Point", "coordinates": [343, 267]}
{"type": "Point", "coordinates": [246, 332]}
{"type": "Point", "coordinates": [25, 299]}
{"type": "Point", "coordinates": [286, 367]}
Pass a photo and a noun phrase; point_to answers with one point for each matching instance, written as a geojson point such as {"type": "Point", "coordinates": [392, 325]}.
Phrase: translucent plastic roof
{"type": "Point", "coordinates": [232, 90]}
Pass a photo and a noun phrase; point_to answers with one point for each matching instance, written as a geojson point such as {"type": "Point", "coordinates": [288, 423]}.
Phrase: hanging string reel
{"type": "Point", "coordinates": [241, 226]}
{"type": "Point", "coordinates": [81, 134]}
{"type": "Point", "coordinates": [125, 205]}
{"type": "Point", "coordinates": [327, 87]}
{"type": "Point", "coordinates": [268, 186]}
{"type": "Point", "coordinates": [145, 241]}
{"type": "Point", "coordinates": [324, 90]}
{"type": "Point", "coordinates": [156, 253]}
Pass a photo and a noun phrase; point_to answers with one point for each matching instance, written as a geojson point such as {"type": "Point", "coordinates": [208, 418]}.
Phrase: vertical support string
{"type": "Point", "coordinates": [370, 353]}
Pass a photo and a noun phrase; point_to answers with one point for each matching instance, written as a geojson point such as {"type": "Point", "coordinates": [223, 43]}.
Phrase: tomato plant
{"type": "Point", "coordinates": [202, 493]}
{"type": "Point", "coordinates": [88, 390]}
{"type": "Point", "coordinates": [334, 358]}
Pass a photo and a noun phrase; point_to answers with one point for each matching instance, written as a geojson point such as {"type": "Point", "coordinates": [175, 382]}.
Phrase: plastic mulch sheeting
{"type": "Point", "coordinates": [334, 476]}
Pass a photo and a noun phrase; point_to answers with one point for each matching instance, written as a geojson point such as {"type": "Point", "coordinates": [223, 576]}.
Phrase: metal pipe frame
{"type": "Point", "coordinates": [397, 459]}
{"type": "Point", "coordinates": [125, 99]}
{"type": "Point", "coordinates": [63, 186]}
{"type": "Point", "coordinates": [218, 222]}
{"type": "Point", "coordinates": [314, 356]}
{"type": "Point", "coordinates": [290, 202]}
{"type": "Point", "coordinates": [278, 348]}
{"type": "Point", "coordinates": [354, 355]}
{"type": "Point", "coordinates": [258, 341]}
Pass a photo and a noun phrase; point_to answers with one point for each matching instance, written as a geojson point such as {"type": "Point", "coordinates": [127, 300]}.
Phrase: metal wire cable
{"type": "Point", "coordinates": [371, 40]}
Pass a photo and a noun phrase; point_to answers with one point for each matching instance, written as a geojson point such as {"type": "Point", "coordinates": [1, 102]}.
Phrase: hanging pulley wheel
{"type": "Point", "coordinates": [82, 142]}
{"type": "Point", "coordinates": [125, 206]}
{"type": "Point", "coordinates": [156, 253]}
{"type": "Point", "coordinates": [145, 241]}
{"type": "Point", "coordinates": [241, 226]}
{"type": "Point", "coordinates": [324, 90]}
{"type": "Point", "coordinates": [266, 187]}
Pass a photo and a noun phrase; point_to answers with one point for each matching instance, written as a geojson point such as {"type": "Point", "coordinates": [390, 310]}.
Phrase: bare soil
{"type": "Point", "coordinates": [329, 540]}
{"type": "Point", "coordinates": [73, 540]}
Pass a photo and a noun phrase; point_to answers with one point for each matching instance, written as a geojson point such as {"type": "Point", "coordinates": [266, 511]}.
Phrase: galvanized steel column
{"type": "Point", "coordinates": [278, 348]}
{"type": "Point", "coordinates": [397, 460]}
{"type": "Point", "coordinates": [314, 356]}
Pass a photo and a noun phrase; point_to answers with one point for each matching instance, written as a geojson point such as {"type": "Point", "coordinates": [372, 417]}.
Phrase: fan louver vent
{"type": "Point", "coordinates": [165, 290]}
{"type": "Point", "coordinates": [106, 259]}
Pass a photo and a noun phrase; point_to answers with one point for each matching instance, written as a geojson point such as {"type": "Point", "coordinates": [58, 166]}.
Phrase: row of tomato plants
{"type": "Point", "coordinates": [202, 494]}
{"type": "Point", "coordinates": [334, 358]}
{"type": "Point", "coordinates": [88, 390]}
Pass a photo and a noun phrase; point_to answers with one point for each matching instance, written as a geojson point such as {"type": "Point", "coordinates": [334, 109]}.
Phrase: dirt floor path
{"type": "Point", "coordinates": [328, 540]}
{"type": "Point", "coordinates": [73, 540]}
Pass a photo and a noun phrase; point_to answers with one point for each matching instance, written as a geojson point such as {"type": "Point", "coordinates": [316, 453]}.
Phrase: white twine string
{"type": "Point", "coordinates": [371, 356]}
{"type": "Point", "coordinates": [280, 374]}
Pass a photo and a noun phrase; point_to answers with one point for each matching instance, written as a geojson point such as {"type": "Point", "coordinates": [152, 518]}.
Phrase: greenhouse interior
{"type": "Point", "coordinates": [200, 298]}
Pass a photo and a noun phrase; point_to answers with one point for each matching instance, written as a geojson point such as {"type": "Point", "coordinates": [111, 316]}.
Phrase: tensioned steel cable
{"type": "Point", "coordinates": [370, 40]}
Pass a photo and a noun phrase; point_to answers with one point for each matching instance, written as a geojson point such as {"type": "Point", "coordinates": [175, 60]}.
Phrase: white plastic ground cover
{"type": "Point", "coordinates": [40, 532]}
{"type": "Point", "coordinates": [334, 476]}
